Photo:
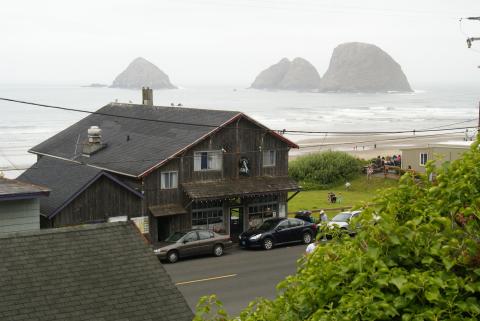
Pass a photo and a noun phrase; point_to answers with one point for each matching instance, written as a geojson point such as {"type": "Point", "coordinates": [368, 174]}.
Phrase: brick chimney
{"type": "Point", "coordinates": [147, 96]}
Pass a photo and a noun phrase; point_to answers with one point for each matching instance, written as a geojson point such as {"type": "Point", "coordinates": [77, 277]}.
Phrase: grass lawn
{"type": "Point", "coordinates": [362, 190]}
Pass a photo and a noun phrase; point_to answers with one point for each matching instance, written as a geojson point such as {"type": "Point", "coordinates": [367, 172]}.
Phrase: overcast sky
{"type": "Point", "coordinates": [227, 42]}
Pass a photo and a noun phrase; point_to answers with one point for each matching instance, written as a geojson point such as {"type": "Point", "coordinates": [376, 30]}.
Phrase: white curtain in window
{"type": "Point", "coordinates": [197, 161]}
{"type": "Point", "coordinates": [215, 160]}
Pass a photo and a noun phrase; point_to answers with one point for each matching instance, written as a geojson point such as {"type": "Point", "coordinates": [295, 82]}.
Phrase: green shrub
{"type": "Point", "coordinates": [420, 261]}
{"type": "Point", "coordinates": [321, 170]}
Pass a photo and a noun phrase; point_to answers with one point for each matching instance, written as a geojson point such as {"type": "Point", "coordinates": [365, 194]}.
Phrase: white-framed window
{"type": "Point", "coordinates": [208, 160]}
{"type": "Point", "coordinates": [423, 159]}
{"type": "Point", "coordinates": [169, 180]}
{"type": "Point", "coordinates": [269, 158]}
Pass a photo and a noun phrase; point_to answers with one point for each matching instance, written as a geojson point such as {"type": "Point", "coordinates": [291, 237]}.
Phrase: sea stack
{"type": "Point", "coordinates": [298, 74]}
{"type": "Point", "coordinates": [362, 67]}
{"type": "Point", "coordinates": [142, 73]}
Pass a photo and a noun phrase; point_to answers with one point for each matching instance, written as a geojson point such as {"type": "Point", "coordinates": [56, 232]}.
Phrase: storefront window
{"type": "Point", "coordinates": [260, 211]}
{"type": "Point", "coordinates": [208, 218]}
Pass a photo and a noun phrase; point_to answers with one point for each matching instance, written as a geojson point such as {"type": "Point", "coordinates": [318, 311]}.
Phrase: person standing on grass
{"type": "Point", "coordinates": [323, 217]}
{"type": "Point", "coordinates": [339, 198]}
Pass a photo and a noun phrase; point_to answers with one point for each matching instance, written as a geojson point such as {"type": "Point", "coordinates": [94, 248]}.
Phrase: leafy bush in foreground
{"type": "Point", "coordinates": [421, 261]}
{"type": "Point", "coordinates": [324, 169]}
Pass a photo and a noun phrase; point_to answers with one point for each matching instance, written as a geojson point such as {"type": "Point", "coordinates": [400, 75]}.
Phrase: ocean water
{"type": "Point", "coordinates": [22, 126]}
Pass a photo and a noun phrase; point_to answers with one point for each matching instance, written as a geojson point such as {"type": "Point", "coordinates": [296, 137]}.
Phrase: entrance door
{"type": "Point", "coordinates": [163, 225]}
{"type": "Point", "coordinates": [236, 222]}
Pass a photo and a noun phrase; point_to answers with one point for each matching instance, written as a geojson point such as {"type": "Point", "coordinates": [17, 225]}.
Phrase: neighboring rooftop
{"type": "Point", "coordinates": [66, 180]}
{"type": "Point", "coordinates": [90, 272]}
{"type": "Point", "coordinates": [448, 144]}
{"type": "Point", "coordinates": [11, 189]}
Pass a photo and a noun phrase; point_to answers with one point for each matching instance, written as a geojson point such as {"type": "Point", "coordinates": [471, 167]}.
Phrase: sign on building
{"type": "Point", "coordinates": [142, 223]}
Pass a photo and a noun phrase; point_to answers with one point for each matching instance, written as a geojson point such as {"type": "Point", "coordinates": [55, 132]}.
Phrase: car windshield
{"type": "Point", "coordinates": [267, 225]}
{"type": "Point", "coordinates": [175, 237]}
{"type": "Point", "coordinates": [342, 217]}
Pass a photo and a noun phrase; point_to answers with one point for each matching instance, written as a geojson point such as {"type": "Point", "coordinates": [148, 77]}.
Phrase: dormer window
{"type": "Point", "coordinates": [208, 161]}
{"type": "Point", "coordinates": [268, 158]}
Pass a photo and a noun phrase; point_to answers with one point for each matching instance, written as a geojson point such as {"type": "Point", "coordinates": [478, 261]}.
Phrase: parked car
{"type": "Point", "coordinates": [277, 231]}
{"type": "Point", "coordinates": [191, 243]}
{"type": "Point", "coordinates": [342, 221]}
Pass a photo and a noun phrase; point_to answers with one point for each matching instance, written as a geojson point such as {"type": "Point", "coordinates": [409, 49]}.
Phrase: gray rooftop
{"type": "Point", "coordinates": [92, 272]}
{"type": "Point", "coordinates": [65, 179]}
{"type": "Point", "coordinates": [148, 143]}
{"type": "Point", "coordinates": [14, 189]}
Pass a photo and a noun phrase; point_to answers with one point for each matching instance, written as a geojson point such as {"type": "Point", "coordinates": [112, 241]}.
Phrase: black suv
{"type": "Point", "coordinates": [277, 231]}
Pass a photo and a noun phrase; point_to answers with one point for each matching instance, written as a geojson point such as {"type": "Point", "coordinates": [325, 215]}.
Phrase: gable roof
{"type": "Point", "coordinates": [158, 134]}
{"type": "Point", "coordinates": [90, 272]}
{"type": "Point", "coordinates": [66, 180]}
{"type": "Point", "coordinates": [11, 189]}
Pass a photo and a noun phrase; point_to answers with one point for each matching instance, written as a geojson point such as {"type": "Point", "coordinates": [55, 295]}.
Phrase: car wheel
{"type": "Point", "coordinates": [218, 250]}
{"type": "Point", "coordinates": [267, 244]}
{"type": "Point", "coordinates": [307, 238]}
{"type": "Point", "coordinates": [172, 256]}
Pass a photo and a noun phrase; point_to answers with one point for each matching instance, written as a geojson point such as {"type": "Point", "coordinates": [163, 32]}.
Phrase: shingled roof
{"type": "Point", "coordinates": [11, 189]}
{"type": "Point", "coordinates": [91, 272]}
{"type": "Point", "coordinates": [65, 179]}
{"type": "Point", "coordinates": [138, 137]}
{"type": "Point", "coordinates": [241, 187]}
{"type": "Point", "coordinates": [148, 143]}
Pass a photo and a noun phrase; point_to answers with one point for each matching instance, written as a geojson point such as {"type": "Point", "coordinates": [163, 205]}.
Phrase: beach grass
{"type": "Point", "coordinates": [361, 190]}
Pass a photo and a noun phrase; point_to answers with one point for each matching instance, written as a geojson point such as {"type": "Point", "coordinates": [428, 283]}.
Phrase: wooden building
{"type": "Point", "coordinates": [20, 206]}
{"type": "Point", "coordinates": [171, 168]}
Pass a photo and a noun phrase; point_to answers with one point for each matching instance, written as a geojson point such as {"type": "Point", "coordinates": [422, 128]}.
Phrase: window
{"type": "Point", "coordinates": [169, 180]}
{"type": "Point", "coordinates": [190, 237]}
{"type": "Point", "coordinates": [283, 225]}
{"type": "Point", "coordinates": [205, 161]}
{"type": "Point", "coordinates": [208, 219]}
{"type": "Point", "coordinates": [205, 235]}
{"type": "Point", "coordinates": [259, 212]}
{"type": "Point", "coordinates": [296, 222]}
{"type": "Point", "coordinates": [268, 158]}
{"type": "Point", "coordinates": [423, 159]}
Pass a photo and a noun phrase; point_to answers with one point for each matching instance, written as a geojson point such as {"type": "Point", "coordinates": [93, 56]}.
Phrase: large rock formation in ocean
{"type": "Point", "coordinates": [142, 73]}
{"type": "Point", "coordinates": [298, 74]}
{"type": "Point", "coordinates": [362, 67]}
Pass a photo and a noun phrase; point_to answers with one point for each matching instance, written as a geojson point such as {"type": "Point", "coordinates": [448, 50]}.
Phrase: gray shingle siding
{"type": "Point", "coordinates": [19, 215]}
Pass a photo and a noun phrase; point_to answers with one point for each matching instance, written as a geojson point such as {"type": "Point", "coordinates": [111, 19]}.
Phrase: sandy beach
{"type": "Point", "coordinates": [370, 146]}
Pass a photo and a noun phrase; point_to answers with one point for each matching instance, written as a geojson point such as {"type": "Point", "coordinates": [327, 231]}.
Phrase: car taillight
{"type": "Point", "coordinates": [314, 226]}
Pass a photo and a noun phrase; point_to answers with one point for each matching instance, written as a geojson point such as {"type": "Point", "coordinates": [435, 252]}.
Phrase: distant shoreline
{"type": "Point", "coordinates": [368, 147]}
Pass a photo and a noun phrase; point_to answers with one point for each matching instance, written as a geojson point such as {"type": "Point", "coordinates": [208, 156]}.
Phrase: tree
{"type": "Point", "coordinates": [419, 261]}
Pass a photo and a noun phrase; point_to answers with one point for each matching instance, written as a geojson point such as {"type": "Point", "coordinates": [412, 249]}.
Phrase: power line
{"type": "Point", "coordinates": [77, 163]}
{"type": "Point", "coordinates": [284, 131]}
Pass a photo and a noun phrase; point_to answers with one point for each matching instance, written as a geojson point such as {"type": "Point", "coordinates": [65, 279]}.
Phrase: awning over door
{"type": "Point", "coordinates": [239, 187]}
{"type": "Point", "coordinates": [167, 209]}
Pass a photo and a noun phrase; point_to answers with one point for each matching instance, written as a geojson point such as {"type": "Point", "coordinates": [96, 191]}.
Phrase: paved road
{"type": "Point", "coordinates": [237, 277]}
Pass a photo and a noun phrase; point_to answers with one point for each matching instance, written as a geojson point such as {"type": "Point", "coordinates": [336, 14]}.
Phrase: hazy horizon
{"type": "Point", "coordinates": [212, 42]}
